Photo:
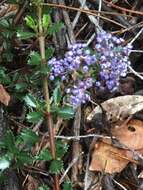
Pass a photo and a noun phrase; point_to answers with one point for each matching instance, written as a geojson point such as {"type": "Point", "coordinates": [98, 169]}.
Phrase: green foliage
{"type": "Point", "coordinates": [55, 27]}
{"type": "Point", "coordinates": [28, 136]}
{"type": "Point", "coordinates": [4, 163]}
{"type": "Point", "coordinates": [25, 83]}
{"type": "Point", "coordinates": [49, 52]}
{"type": "Point", "coordinates": [25, 35]}
{"type": "Point", "coordinates": [67, 186]}
{"type": "Point", "coordinates": [57, 95]}
{"type": "Point", "coordinates": [30, 100]}
{"type": "Point", "coordinates": [44, 155]}
{"type": "Point", "coordinates": [46, 21]}
{"type": "Point", "coordinates": [43, 187]}
{"type": "Point", "coordinates": [31, 23]}
{"type": "Point", "coordinates": [61, 148]}
{"type": "Point", "coordinates": [34, 117]}
{"type": "Point", "coordinates": [56, 166]}
{"type": "Point", "coordinates": [35, 58]}
{"type": "Point", "coordinates": [4, 77]}
{"type": "Point", "coordinates": [65, 112]}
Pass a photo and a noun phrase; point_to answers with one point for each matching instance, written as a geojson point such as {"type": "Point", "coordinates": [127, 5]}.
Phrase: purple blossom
{"type": "Point", "coordinates": [78, 93]}
{"type": "Point", "coordinates": [113, 59]}
{"type": "Point", "coordinates": [109, 55]}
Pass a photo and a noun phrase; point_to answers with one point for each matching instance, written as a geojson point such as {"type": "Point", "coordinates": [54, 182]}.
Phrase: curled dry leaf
{"type": "Point", "coordinates": [4, 96]}
{"type": "Point", "coordinates": [119, 107]}
{"type": "Point", "coordinates": [109, 159]}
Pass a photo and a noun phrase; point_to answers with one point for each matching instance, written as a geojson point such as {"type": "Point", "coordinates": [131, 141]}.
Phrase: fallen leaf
{"type": "Point", "coordinates": [119, 108]}
{"type": "Point", "coordinates": [32, 183]}
{"type": "Point", "coordinates": [109, 159]}
{"type": "Point", "coordinates": [8, 9]}
{"type": "Point", "coordinates": [4, 96]}
{"type": "Point", "coordinates": [130, 134]}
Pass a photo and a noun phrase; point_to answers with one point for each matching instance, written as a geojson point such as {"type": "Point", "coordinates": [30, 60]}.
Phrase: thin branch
{"type": "Point", "coordinates": [82, 137]}
{"type": "Point", "coordinates": [70, 166]}
{"type": "Point", "coordinates": [83, 11]}
{"type": "Point", "coordinates": [137, 35]}
{"type": "Point", "coordinates": [135, 73]}
{"type": "Point", "coordinates": [123, 9]}
{"type": "Point", "coordinates": [99, 9]}
{"type": "Point", "coordinates": [78, 15]}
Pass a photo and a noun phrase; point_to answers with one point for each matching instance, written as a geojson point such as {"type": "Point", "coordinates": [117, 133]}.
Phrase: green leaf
{"type": "Point", "coordinates": [23, 158]}
{"type": "Point", "coordinates": [56, 166]}
{"type": "Point", "coordinates": [57, 95]}
{"type": "Point", "coordinates": [44, 155]}
{"type": "Point", "coordinates": [21, 86]}
{"type": "Point", "coordinates": [44, 69]}
{"type": "Point", "coordinates": [9, 141]}
{"type": "Point", "coordinates": [54, 28]}
{"type": "Point", "coordinates": [46, 20]}
{"type": "Point", "coordinates": [30, 101]}
{"type": "Point", "coordinates": [67, 186]}
{"type": "Point", "coordinates": [35, 58]}
{"type": "Point", "coordinates": [49, 53]}
{"type": "Point", "coordinates": [25, 35]}
{"type": "Point", "coordinates": [66, 112]}
{"type": "Point", "coordinates": [4, 23]}
{"type": "Point", "coordinates": [34, 117]}
{"type": "Point", "coordinates": [43, 187]}
{"type": "Point", "coordinates": [28, 136]}
{"type": "Point", "coordinates": [61, 148]}
{"type": "Point", "coordinates": [4, 163]}
{"type": "Point", "coordinates": [31, 23]}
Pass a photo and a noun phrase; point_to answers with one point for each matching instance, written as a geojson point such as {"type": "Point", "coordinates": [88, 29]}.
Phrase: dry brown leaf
{"type": "Point", "coordinates": [109, 159]}
{"type": "Point", "coordinates": [119, 107]}
{"type": "Point", "coordinates": [7, 9]}
{"type": "Point", "coordinates": [4, 96]}
{"type": "Point", "coordinates": [32, 183]}
{"type": "Point", "coordinates": [130, 134]}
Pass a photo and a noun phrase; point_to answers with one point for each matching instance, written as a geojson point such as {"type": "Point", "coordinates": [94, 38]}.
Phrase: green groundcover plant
{"type": "Point", "coordinates": [66, 83]}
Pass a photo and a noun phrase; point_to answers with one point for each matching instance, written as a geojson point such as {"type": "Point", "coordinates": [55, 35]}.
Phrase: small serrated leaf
{"type": "Point", "coordinates": [61, 148]}
{"type": "Point", "coordinates": [30, 100]}
{"type": "Point", "coordinates": [35, 58]}
{"type": "Point", "coordinates": [66, 112]}
{"type": "Point", "coordinates": [46, 20]}
{"type": "Point", "coordinates": [44, 155]}
{"type": "Point", "coordinates": [34, 117]}
{"type": "Point", "coordinates": [56, 166]}
{"type": "Point", "coordinates": [57, 95]}
{"type": "Point", "coordinates": [31, 23]}
{"type": "Point", "coordinates": [54, 28]}
{"type": "Point", "coordinates": [49, 52]}
{"type": "Point", "coordinates": [28, 136]}
{"type": "Point", "coordinates": [25, 35]}
{"type": "Point", "coordinates": [67, 185]}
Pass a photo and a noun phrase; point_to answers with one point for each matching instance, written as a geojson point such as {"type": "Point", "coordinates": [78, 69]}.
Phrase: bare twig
{"type": "Point", "coordinates": [135, 73]}
{"type": "Point", "coordinates": [70, 166]}
{"type": "Point", "coordinates": [82, 137]}
{"type": "Point", "coordinates": [78, 15]}
{"type": "Point", "coordinates": [120, 185]}
{"type": "Point", "coordinates": [90, 13]}
{"type": "Point", "coordinates": [137, 35]}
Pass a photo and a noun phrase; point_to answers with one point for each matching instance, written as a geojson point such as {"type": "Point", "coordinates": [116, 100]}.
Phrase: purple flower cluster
{"type": "Point", "coordinates": [77, 58]}
{"type": "Point", "coordinates": [78, 93]}
{"type": "Point", "coordinates": [78, 67]}
{"type": "Point", "coordinates": [113, 59]}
